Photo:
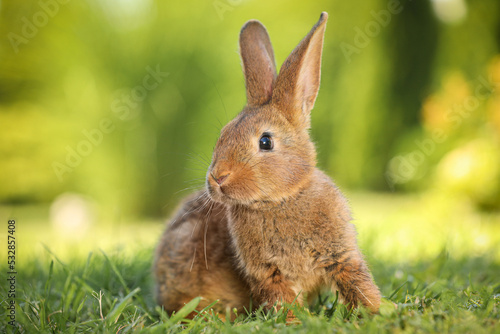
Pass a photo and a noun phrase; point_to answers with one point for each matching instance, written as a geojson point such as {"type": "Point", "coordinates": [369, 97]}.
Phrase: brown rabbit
{"type": "Point", "coordinates": [269, 226]}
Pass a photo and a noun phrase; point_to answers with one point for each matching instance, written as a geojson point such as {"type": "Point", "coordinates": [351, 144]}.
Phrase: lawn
{"type": "Point", "coordinates": [435, 257]}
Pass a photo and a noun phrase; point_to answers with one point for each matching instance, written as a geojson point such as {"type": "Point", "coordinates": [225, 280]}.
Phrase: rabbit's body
{"type": "Point", "coordinates": [269, 225]}
{"type": "Point", "coordinates": [301, 246]}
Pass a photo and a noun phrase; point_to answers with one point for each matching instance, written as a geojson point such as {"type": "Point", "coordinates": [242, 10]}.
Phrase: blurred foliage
{"type": "Point", "coordinates": [122, 100]}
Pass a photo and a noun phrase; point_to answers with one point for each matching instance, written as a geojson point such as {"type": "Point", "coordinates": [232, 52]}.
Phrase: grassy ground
{"type": "Point", "coordinates": [437, 259]}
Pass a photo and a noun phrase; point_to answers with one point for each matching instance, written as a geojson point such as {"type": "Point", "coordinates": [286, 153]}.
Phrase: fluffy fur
{"type": "Point", "coordinates": [269, 226]}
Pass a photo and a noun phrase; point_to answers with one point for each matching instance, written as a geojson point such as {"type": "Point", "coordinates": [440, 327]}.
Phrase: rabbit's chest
{"type": "Point", "coordinates": [276, 241]}
{"type": "Point", "coordinates": [286, 250]}
{"type": "Point", "coordinates": [281, 241]}
{"type": "Point", "coordinates": [284, 245]}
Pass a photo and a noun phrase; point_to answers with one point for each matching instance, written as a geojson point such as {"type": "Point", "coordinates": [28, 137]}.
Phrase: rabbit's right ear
{"type": "Point", "coordinates": [298, 82]}
{"type": "Point", "coordinates": [259, 66]}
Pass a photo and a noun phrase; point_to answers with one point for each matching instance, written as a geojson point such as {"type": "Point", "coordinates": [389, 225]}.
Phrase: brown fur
{"type": "Point", "coordinates": [270, 224]}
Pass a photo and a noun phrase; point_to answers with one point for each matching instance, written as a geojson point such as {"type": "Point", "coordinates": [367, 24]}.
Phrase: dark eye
{"type": "Point", "coordinates": [266, 142]}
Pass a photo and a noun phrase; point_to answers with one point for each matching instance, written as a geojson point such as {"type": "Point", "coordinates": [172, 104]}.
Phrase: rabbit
{"type": "Point", "coordinates": [269, 227]}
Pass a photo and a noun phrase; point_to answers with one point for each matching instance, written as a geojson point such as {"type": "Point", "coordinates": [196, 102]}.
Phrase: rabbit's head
{"type": "Point", "coordinates": [265, 154]}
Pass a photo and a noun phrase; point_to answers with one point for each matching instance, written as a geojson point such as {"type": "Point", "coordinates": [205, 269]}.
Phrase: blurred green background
{"type": "Point", "coordinates": [109, 110]}
{"type": "Point", "coordinates": [121, 101]}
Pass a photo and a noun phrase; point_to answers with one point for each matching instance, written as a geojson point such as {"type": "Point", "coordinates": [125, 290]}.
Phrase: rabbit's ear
{"type": "Point", "coordinates": [259, 67]}
{"type": "Point", "coordinates": [297, 84]}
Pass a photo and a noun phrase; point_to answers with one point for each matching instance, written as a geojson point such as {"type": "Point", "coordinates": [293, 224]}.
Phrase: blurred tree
{"type": "Point", "coordinates": [123, 100]}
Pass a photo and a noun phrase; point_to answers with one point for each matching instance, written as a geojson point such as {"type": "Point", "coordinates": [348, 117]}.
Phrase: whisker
{"type": "Point", "coordinates": [205, 235]}
{"type": "Point", "coordinates": [186, 189]}
{"type": "Point", "coordinates": [194, 256]}
{"type": "Point", "coordinates": [199, 157]}
{"type": "Point", "coordinates": [188, 211]}
{"type": "Point", "coordinates": [221, 100]}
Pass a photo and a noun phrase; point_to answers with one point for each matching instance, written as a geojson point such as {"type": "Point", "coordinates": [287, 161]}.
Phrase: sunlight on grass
{"type": "Point", "coordinates": [418, 227]}
{"type": "Point", "coordinates": [391, 228]}
{"type": "Point", "coordinates": [34, 233]}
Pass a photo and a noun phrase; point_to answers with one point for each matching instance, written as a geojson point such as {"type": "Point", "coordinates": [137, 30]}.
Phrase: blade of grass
{"type": "Point", "coordinates": [117, 272]}
{"type": "Point", "coordinates": [124, 284]}
{"type": "Point", "coordinates": [178, 316]}
{"type": "Point", "coordinates": [185, 311]}
{"type": "Point", "coordinates": [397, 290]}
{"type": "Point", "coordinates": [118, 309]}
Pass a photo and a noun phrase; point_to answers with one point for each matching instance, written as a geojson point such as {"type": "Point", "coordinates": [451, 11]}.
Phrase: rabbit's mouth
{"type": "Point", "coordinates": [218, 190]}
{"type": "Point", "coordinates": [219, 196]}
{"type": "Point", "coordinates": [224, 189]}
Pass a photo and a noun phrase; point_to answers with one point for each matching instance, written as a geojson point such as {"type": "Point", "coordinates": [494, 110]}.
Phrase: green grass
{"type": "Point", "coordinates": [452, 287]}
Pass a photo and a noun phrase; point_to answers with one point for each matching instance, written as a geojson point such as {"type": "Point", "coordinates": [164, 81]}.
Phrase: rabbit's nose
{"type": "Point", "coordinates": [220, 179]}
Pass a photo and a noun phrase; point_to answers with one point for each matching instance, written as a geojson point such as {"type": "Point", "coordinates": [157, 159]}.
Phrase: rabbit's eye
{"type": "Point", "coordinates": [266, 143]}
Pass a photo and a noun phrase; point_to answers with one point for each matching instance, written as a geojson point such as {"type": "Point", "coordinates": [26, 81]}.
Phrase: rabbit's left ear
{"type": "Point", "coordinates": [258, 63]}
{"type": "Point", "coordinates": [297, 84]}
